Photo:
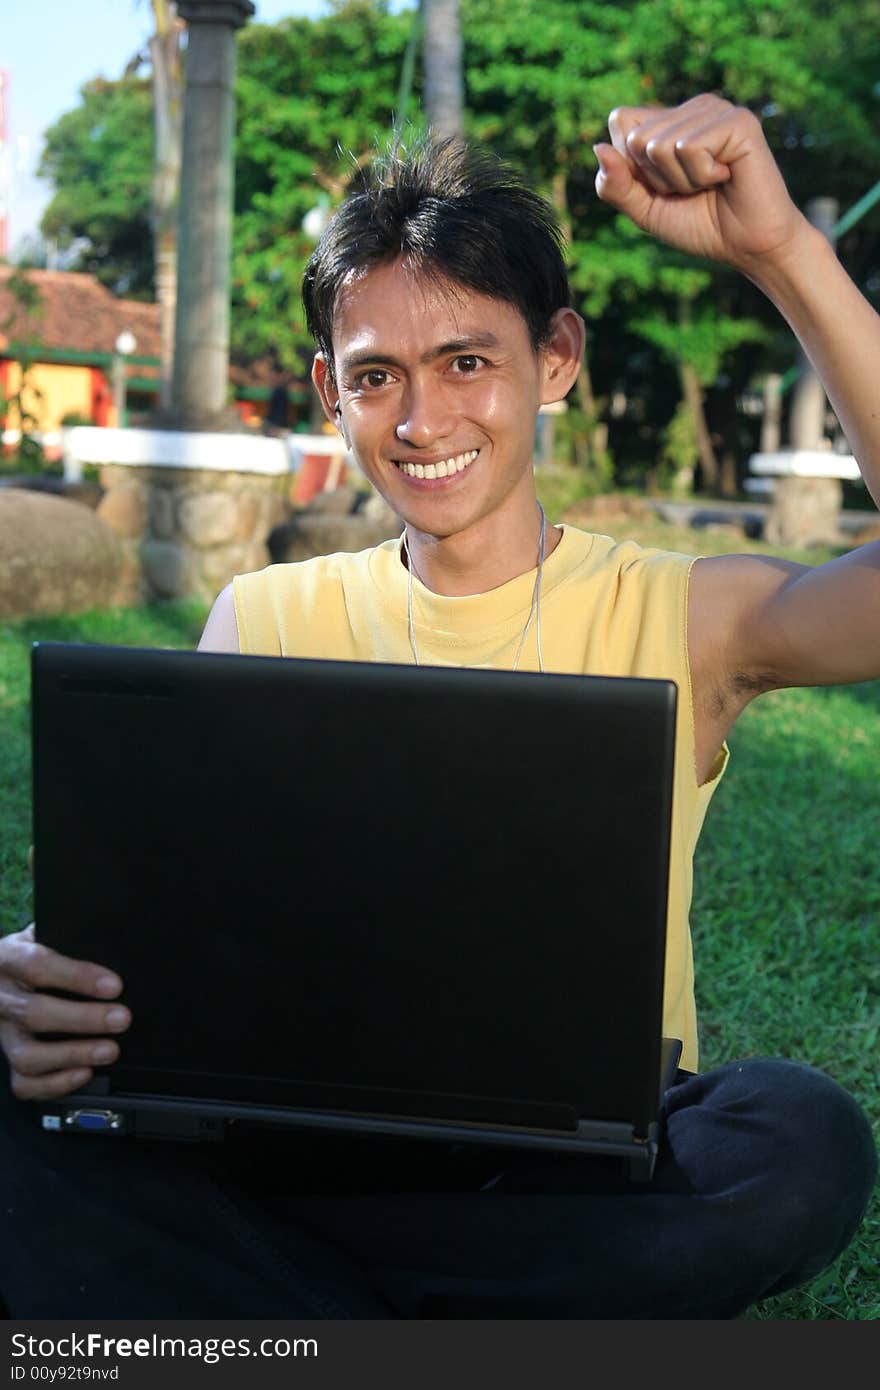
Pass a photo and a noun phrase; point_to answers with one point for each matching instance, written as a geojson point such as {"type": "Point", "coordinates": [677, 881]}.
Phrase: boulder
{"type": "Point", "coordinates": [56, 556]}
{"type": "Point", "coordinates": [324, 527]}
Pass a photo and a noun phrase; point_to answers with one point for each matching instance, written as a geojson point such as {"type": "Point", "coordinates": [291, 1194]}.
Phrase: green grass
{"type": "Point", "coordinates": [787, 883]}
{"type": "Point", "coordinates": [176, 624]}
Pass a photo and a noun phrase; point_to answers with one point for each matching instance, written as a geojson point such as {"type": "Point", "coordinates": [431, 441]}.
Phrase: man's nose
{"type": "Point", "coordinates": [426, 417]}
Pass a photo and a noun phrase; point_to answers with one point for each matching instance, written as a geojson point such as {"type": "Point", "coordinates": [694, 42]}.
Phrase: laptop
{"type": "Point", "coordinates": [379, 899]}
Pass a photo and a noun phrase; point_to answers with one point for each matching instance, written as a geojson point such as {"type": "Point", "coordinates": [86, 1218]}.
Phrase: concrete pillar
{"type": "Point", "coordinates": [201, 337]}
{"type": "Point", "coordinates": [808, 406]}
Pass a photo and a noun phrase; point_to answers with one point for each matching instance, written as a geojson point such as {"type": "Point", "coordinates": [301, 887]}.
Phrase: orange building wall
{"type": "Point", "coordinates": [65, 389]}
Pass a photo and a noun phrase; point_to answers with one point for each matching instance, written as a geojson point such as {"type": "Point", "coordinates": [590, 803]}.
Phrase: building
{"type": "Point", "coordinates": [58, 331]}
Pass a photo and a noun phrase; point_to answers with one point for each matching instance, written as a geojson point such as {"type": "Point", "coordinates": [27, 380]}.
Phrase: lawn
{"type": "Point", "coordinates": [787, 888]}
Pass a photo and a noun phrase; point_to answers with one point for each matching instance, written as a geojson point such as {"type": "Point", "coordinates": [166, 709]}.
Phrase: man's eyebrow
{"type": "Point", "coordinates": [466, 344]}
{"type": "Point", "coordinates": [353, 360]}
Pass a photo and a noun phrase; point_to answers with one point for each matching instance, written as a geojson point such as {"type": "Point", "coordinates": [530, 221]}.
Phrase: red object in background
{"type": "Point", "coordinates": [101, 395]}
{"type": "Point", "coordinates": [319, 473]}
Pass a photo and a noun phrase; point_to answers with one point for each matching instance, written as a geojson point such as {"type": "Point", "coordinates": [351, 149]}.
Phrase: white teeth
{"type": "Point", "coordinates": [444, 469]}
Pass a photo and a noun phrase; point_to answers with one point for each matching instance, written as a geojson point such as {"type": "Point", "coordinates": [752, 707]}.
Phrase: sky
{"type": "Point", "coordinates": [48, 49]}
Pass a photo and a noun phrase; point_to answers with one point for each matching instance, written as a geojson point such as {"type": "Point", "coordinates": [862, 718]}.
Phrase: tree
{"type": "Point", "coordinates": [98, 157]}
{"type": "Point", "coordinates": [444, 82]}
{"type": "Point", "coordinates": [167, 153]}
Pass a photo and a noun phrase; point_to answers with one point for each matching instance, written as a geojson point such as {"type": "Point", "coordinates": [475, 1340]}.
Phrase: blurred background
{"type": "Point", "coordinates": [673, 395]}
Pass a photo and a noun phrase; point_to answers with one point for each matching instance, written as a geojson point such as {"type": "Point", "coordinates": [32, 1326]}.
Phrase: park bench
{"type": "Point", "coordinates": [806, 487]}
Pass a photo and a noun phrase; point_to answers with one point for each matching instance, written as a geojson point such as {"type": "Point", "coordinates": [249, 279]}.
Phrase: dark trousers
{"type": "Point", "coordinates": [764, 1173]}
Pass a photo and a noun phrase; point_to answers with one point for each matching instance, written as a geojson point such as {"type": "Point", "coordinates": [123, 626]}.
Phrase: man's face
{"type": "Point", "coordinates": [439, 388]}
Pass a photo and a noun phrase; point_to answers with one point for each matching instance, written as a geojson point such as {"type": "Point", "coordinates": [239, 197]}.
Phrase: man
{"type": "Point", "coordinates": [439, 302]}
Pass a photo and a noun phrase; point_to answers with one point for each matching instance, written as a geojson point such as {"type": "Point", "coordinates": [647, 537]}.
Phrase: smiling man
{"type": "Point", "coordinates": [440, 307]}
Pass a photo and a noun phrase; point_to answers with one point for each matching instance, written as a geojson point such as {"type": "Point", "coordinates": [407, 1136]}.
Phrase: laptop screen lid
{"type": "Point", "coordinates": [422, 891]}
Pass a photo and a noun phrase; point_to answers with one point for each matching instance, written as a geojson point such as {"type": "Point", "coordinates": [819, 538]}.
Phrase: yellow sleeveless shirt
{"type": "Point", "coordinates": [607, 608]}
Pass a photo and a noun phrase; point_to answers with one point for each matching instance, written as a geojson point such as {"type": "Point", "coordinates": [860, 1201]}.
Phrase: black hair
{"type": "Point", "coordinates": [454, 212]}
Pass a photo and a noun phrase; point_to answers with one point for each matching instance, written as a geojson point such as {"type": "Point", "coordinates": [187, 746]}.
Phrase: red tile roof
{"type": "Point", "coordinates": [75, 312]}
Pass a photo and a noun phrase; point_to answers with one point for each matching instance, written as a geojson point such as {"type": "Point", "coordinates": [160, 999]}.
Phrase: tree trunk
{"type": "Point", "coordinates": [590, 446]}
{"type": "Point", "coordinates": [443, 79]}
{"type": "Point", "coordinates": [167, 105]}
{"type": "Point", "coordinates": [693, 395]}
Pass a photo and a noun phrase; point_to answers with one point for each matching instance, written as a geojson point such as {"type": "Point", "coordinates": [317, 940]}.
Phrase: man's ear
{"type": "Point", "coordinates": [322, 377]}
{"type": "Point", "coordinates": [562, 355]}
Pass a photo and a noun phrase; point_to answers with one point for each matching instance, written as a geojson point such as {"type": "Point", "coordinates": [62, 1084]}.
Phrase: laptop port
{"type": "Point", "coordinates": [95, 1121]}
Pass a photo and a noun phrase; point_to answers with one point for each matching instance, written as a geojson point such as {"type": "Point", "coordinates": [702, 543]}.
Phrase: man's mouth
{"type": "Point", "coordinates": [443, 468]}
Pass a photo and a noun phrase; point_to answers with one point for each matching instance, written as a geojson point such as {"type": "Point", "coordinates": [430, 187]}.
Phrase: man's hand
{"type": "Point", "coordinates": [42, 1070]}
{"type": "Point", "coordinates": [701, 177]}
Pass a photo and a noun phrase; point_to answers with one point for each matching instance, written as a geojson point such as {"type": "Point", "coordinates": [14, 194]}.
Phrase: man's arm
{"type": "Point", "coordinates": [702, 177]}
{"type": "Point", "coordinates": [759, 623]}
{"type": "Point", "coordinates": [221, 629]}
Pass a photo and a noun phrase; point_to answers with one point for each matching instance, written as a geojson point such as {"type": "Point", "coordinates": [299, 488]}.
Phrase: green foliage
{"type": "Point", "coordinates": [702, 342]}
{"type": "Point", "coordinates": [677, 459]}
{"type": "Point", "coordinates": [99, 158]}
{"type": "Point", "coordinates": [23, 407]}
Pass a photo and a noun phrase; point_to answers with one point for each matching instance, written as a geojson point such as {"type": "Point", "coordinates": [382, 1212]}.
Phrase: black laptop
{"type": "Point", "coordinates": [373, 898]}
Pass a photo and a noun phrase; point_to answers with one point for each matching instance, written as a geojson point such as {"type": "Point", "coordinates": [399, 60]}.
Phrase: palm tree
{"type": "Point", "coordinates": [167, 85]}
{"type": "Point", "coordinates": [443, 79]}
{"type": "Point", "coordinates": [167, 107]}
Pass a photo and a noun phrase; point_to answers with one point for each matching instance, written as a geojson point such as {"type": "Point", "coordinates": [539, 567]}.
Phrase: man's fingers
{"type": "Point", "coordinates": [624, 119]}
{"type": "Point", "coordinates": [616, 184]}
{"type": "Point", "coordinates": [60, 1083]}
{"type": "Point", "coordinates": [38, 967]}
{"type": "Point", "coordinates": [28, 1057]}
{"type": "Point", "coordinates": [41, 1013]}
{"type": "Point", "coordinates": [676, 151]}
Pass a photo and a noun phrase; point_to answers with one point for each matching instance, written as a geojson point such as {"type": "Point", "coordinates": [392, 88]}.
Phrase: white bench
{"type": "Point", "coordinates": [806, 491]}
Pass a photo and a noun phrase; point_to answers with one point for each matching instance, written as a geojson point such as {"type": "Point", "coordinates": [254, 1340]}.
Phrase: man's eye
{"type": "Point", "coordinates": [467, 364]}
{"type": "Point", "coordinates": [373, 378]}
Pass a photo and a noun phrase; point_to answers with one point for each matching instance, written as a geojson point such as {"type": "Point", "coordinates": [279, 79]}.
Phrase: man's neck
{"type": "Point", "coordinates": [487, 555]}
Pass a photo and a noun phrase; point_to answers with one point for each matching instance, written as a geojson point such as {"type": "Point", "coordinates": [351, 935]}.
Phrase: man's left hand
{"type": "Point", "coordinates": [701, 177]}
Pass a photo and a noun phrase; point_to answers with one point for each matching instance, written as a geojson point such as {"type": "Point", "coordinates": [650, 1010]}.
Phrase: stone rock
{"type": "Point", "coordinates": [162, 513]}
{"type": "Point", "coordinates": [339, 502]}
{"type": "Point", "coordinates": [56, 556]}
{"type": "Point", "coordinates": [209, 518]}
{"type": "Point", "coordinates": [166, 568]}
{"type": "Point", "coordinates": [124, 510]}
{"type": "Point", "coordinates": [250, 513]}
{"type": "Point", "coordinates": [309, 533]}
{"type": "Point", "coordinates": [132, 587]}
{"type": "Point", "coordinates": [214, 568]}
{"type": "Point", "coordinates": [805, 511]}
